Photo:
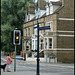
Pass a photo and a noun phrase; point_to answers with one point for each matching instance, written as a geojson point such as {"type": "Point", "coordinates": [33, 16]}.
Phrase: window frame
{"type": "Point", "coordinates": [29, 31]}
{"type": "Point", "coordinates": [48, 43]}
{"type": "Point", "coordinates": [51, 9]}
{"type": "Point", "coordinates": [34, 44]}
{"type": "Point", "coordinates": [26, 32]}
{"type": "Point", "coordinates": [51, 25]}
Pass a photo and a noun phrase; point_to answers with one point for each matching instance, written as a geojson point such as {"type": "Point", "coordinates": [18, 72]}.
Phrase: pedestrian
{"type": "Point", "coordinates": [9, 61]}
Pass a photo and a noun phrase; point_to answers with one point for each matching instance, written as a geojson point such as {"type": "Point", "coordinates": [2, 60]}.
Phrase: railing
{"type": "Point", "coordinates": [39, 52]}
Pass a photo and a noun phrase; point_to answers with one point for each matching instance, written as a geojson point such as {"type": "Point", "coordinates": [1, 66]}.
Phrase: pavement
{"type": "Point", "coordinates": [69, 66]}
{"type": "Point", "coordinates": [27, 73]}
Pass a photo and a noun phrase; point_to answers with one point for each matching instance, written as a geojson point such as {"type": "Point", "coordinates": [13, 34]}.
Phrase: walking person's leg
{"type": "Point", "coordinates": [8, 68]}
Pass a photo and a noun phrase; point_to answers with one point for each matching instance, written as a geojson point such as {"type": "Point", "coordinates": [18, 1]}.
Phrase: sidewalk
{"type": "Point", "coordinates": [26, 73]}
{"type": "Point", "coordinates": [71, 66]}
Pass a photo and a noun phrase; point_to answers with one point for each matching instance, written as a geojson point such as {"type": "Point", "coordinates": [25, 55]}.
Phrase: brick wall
{"type": "Point", "coordinates": [65, 56]}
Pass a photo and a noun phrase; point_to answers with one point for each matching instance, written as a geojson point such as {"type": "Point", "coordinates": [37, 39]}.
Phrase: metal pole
{"type": "Point", "coordinates": [46, 55]}
{"type": "Point", "coordinates": [37, 45]}
{"type": "Point", "coordinates": [38, 49]}
{"type": "Point", "coordinates": [15, 60]}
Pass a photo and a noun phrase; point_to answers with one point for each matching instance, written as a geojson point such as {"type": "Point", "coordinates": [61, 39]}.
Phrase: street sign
{"type": "Point", "coordinates": [44, 28]}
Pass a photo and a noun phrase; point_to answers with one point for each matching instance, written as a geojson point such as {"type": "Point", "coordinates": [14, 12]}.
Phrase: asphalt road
{"type": "Point", "coordinates": [45, 68]}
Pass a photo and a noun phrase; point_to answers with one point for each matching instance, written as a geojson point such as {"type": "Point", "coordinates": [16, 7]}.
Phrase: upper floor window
{"type": "Point", "coordinates": [36, 29]}
{"type": "Point", "coordinates": [28, 17]}
{"type": "Point", "coordinates": [29, 31]}
{"type": "Point", "coordinates": [47, 11]}
{"type": "Point", "coordinates": [26, 32]}
{"type": "Point", "coordinates": [51, 25]}
{"type": "Point", "coordinates": [25, 18]}
{"type": "Point", "coordinates": [51, 9]}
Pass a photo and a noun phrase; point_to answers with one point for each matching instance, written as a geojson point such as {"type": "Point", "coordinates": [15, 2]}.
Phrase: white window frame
{"type": "Point", "coordinates": [29, 31]}
{"type": "Point", "coordinates": [28, 17]}
{"type": "Point", "coordinates": [34, 45]}
{"type": "Point", "coordinates": [48, 43]}
{"type": "Point", "coordinates": [47, 11]}
{"type": "Point", "coordinates": [26, 32]}
{"type": "Point", "coordinates": [51, 9]}
{"type": "Point", "coordinates": [51, 25]}
{"type": "Point", "coordinates": [36, 30]}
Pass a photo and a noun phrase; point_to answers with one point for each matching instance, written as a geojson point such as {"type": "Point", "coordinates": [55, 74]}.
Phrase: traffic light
{"type": "Point", "coordinates": [17, 37]}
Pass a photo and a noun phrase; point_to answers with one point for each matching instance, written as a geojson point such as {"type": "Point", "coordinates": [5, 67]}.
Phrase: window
{"type": "Point", "coordinates": [34, 44]}
{"type": "Point", "coordinates": [39, 13]}
{"type": "Point", "coordinates": [35, 29]}
{"type": "Point", "coordinates": [51, 25]}
{"type": "Point", "coordinates": [41, 44]}
{"type": "Point", "coordinates": [29, 31]}
{"type": "Point", "coordinates": [47, 11]}
{"type": "Point", "coordinates": [50, 43]}
{"type": "Point", "coordinates": [28, 17]}
{"type": "Point", "coordinates": [51, 9]}
{"type": "Point", "coordinates": [27, 45]}
{"type": "Point", "coordinates": [45, 43]}
{"type": "Point", "coordinates": [26, 32]}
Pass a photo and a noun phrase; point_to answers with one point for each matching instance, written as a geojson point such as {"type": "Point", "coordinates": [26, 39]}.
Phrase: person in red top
{"type": "Point", "coordinates": [8, 63]}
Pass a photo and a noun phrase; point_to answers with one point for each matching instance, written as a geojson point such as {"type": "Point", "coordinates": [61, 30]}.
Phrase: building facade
{"type": "Point", "coordinates": [56, 32]}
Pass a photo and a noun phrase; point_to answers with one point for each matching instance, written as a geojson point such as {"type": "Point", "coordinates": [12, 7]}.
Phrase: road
{"type": "Point", "coordinates": [44, 67]}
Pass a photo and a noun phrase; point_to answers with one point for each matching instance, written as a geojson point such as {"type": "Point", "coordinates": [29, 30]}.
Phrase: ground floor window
{"type": "Point", "coordinates": [48, 43]}
{"type": "Point", "coordinates": [27, 45]}
{"type": "Point", "coordinates": [34, 44]}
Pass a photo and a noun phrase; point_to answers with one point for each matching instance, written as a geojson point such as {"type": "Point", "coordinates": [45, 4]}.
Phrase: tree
{"type": "Point", "coordinates": [12, 16]}
{"type": "Point", "coordinates": [6, 38]}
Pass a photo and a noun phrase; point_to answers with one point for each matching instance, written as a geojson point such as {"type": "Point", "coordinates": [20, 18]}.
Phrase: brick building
{"type": "Point", "coordinates": [56, 21]}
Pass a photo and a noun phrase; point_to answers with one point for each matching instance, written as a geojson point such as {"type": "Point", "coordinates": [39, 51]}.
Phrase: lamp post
{"type": "Point", "coordinates": [38, 49]}
{"type": "Point", "coordinates": [37, 45]}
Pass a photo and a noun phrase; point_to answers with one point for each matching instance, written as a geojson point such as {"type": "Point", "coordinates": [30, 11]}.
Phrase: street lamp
{"type": "Point", "coordinates": [37, 45]}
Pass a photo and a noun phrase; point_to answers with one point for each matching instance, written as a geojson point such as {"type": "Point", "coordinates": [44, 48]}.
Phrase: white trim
{"type": "Point", "coordinates": [65, 31]}
{"type": "Point", "coordinates": [61, 31]}
{"type": "Point", "coordinates": [65, 19]}
{"type": "Point", "coordinates": [59, 35]}
{"type": "Point", "coordinates": [66, 35]}
{"type": "Point", "coordinates": [62, 49]}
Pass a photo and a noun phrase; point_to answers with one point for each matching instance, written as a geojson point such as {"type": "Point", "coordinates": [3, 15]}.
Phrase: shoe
{"type": "Point", "coordinates": [8, 71]}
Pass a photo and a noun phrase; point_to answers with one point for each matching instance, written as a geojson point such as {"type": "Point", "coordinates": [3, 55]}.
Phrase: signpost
{"type": "Point", "coordinates": [38, 49]}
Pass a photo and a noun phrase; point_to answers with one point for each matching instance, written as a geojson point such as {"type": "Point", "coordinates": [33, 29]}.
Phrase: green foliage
{"type": "Point", "coordinates": [6, 37]}
{"type": "Point", "coordinates": [12, 16]}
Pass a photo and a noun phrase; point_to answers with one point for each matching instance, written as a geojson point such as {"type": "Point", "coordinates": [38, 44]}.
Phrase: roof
{"type": "Point", "coordinates": [58, 9]}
